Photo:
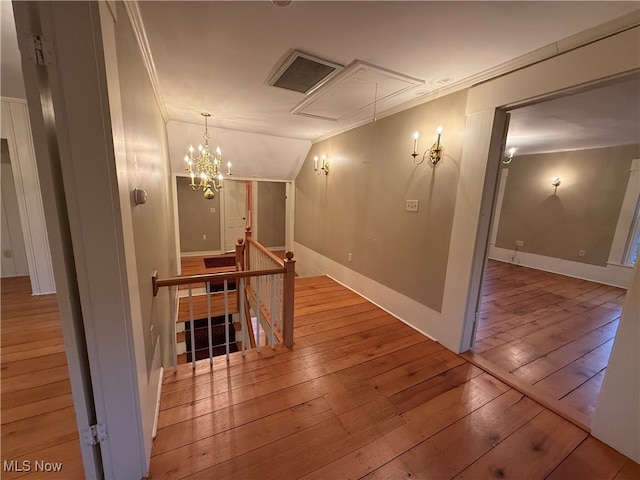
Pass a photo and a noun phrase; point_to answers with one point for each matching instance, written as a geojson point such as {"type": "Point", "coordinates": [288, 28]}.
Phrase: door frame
{"type": "Point", "coordinates": [486, 103]}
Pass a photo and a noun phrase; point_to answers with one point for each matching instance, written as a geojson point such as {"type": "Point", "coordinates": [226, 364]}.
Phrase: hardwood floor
{"type": "Point", "coordinates": [550, 332]}
{"type": "Point", "coordinates": [362, 395]}
{"type": "Point", "coordinates": [37, 413]}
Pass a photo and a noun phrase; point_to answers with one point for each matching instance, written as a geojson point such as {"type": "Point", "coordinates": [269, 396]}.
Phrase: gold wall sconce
{"type": "Point", "coordinates": [555, 181]}
{"type": "Point", "coordinates": [434, 153]}
{"type": "Point", "coordinates": [512, 152]}
{"type": "Point", "coordinates": [324, 168]}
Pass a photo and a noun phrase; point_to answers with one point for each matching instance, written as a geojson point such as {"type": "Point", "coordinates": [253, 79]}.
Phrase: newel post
{"type": "Point", "coordinates": [247, 252]}
{"type": "Point", "coordinates": [287, 310]}
{"type": "Point", "coordinates": [240, 253]}
{"type": "Point", "coordinates": [239, 266]}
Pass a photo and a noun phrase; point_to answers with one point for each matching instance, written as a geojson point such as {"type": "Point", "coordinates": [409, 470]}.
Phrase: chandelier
{"type": "Point", "coordinates": [205, 166]}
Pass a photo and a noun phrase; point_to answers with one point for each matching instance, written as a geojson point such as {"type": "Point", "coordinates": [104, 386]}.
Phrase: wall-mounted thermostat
{"type": "Point", "coordinates": [139, 196]}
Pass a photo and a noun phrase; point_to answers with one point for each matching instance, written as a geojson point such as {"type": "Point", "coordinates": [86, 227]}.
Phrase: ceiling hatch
{"type": "Point", "coordinates": [355, 88]}
{"type": "Point", "coordinates": [303, 73]}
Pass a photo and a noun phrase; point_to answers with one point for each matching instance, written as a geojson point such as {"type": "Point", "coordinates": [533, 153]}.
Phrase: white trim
{"type": "Point", "coordinates": [383, 308]}
{"type": "Point", "coordinates": [580, 39]}
{"type": "Point", "coordinates": [254, 210]}
{"type": "Point", "coordinates": [619, 246]}
{"type": "Point", "coordinates": [202, 253]}
{"type": "Point", "coordinates": [176, 221]}
{"type": "Point", "coordinates": [154, 431]}
{"type": "Point", "coordinates": [414, 314]}
{"type": "Point", "coordinates": [504, 173]}
{"type": "Point", "coordinates": [612, 274]}
{"type": "Point", "coordinates": [290, 215]}
{"type": "Point", "coordinates": [133, 11]}
{"type": "Point", "coordinates": [17, 130]}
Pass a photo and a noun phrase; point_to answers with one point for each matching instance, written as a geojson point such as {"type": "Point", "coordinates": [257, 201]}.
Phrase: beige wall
{"type": "Point", "coordinates": [582, 213]}
{"type": "Point", "coordinates": [271, 214]}
{"type": "Point", "coordinates": [359, 208]}
{"type": "Point", "coordinates": [196, 219]}
{"type": "Point", "coordinates": [148, 168]}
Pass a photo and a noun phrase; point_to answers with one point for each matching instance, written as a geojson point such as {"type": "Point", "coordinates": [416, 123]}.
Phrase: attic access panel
{"type": "Point", "coordinates": [303, 73]}
{"type": "Point", "coordinates": [357, 87]}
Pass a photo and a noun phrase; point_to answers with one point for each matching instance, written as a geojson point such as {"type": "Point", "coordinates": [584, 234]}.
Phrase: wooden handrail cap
{"type": "Point", "coordinates": [289, 255]}
{"type": "Point", "coordinates": [240, 241]}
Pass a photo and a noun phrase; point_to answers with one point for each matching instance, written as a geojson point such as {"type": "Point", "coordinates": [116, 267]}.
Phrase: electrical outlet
{"type": "Point", "coordinates": [411, 206]}
{"type": "Point", "coordinates": [204, 237]}
{"type": "Point", "coordinates": [350, 256]}
{"type": "Point", "coordinates": [212, 210]}
{"type": "Point", "coordinates": [519, 243]}
{"type": "Point", "coordinates": [582, 253]}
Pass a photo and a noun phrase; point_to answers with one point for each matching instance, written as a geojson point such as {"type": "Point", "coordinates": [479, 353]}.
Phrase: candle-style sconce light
{"type": "Point", "coordinates": [324, 168]}
{"type": "Point", "coordinates": [434, 153]}
{"type": "Point", "coordinates": [555, 181]}
{"type": "Point", "coordinates": [512, 152]}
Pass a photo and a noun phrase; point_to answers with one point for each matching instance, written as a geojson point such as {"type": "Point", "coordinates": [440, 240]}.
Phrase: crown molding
{"type": "Point", "coordinates": [599, 32]}
{"type": "Point", "coordinates": [133, 12]}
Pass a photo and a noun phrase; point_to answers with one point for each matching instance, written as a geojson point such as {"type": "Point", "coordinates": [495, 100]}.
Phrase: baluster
{"type": "Point", "coordinates": [226, 316]}
{"type": "Point", "coordinates": [173, 319]}
{"type": "Point", "coordinates": [273, 311]}
{"type": "Point", "coordinates": [258, 316]}
{"type": "Point", "coordinates": [210, 337]}
{"type": "Point", "coordinates": [243, 328]}
{"type": "Point", "coordinates": [193, 334]}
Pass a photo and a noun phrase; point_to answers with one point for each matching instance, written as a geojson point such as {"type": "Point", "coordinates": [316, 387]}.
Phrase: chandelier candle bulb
{"type": "Point", "coordinates": [439, 132]}
{"type": "Point", "coordinates": [416, 136]}
{"type": "Point", "coordinates": [228, 168]}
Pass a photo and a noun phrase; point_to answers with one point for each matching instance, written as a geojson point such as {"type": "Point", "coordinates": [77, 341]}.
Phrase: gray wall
{"type": "Point", "coordinates": [147, 168]}
{"type": "Point", "coordinates": [359, 207]}
{"type": "Point", "coordinates": [582, 213]}
{"type": "Point", "coordinates": [196, 219]}
{"type": "Point", "coordinates": [271, 214]}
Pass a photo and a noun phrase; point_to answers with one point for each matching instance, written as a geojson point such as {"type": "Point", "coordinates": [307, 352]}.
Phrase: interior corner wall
{"type": "Point", "coordinates": [271, 214]}
{"type": "Point", "coordinates": [148, 168]}
{"type": "Point", "coordinates": [356, 216]}
{"type": "Point", "coordinates": [15, 128]}
{"type": "Point", "coordinates": [581, 214]}
{"type": "Point", "coordinates": [199, 219]}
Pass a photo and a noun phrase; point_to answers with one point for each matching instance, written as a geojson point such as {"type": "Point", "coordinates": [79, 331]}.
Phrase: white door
{"type": "Point", "coordinates": [235, 200]}
{"type": "Point", "coordinates": [14, 257]}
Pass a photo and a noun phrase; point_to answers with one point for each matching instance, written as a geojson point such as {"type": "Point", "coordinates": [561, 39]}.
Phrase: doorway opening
{"type": "Point", "coordinates": [554, 276]}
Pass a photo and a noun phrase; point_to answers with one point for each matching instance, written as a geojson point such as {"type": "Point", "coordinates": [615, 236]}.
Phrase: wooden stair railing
{"type": "Point", "coordinates": [245, 279]}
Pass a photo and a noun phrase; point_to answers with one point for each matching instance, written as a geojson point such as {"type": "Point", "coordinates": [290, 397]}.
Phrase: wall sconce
{"type": "Point", "coordinates": [435, 152]}
{"type": "Point", "coordinates": [325, 165]}
{"type": "Point", "coordinates": [555, 181]}
{"type": "Point", "coordinates": [512, 152]}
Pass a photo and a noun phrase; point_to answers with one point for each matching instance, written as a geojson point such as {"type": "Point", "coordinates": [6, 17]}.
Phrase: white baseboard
{"type": "Point", "coordinates": [612, 274]}
{"type": "Point", "coordinates": [201, 254]}
{"type": "Point", "coordinates": [154, 432]}
{"type": "Point", "coordinates": [419, 317]}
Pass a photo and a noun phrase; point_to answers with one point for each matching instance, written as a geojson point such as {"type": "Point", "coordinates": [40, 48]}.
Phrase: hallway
{"type": "Point", "coordinates": [362, 395]}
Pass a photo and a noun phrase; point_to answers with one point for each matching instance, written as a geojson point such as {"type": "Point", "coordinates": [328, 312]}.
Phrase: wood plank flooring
{"type": "Point", "coordinates": [361, 395]}
{"type": "Point", "coordinates": [550, 332]}
{"type": "Point", "coordinates": [37, 414]}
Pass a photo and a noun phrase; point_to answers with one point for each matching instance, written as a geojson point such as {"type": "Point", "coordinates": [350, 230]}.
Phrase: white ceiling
{"type": "Point", "coordinates": [603, 117]}
{"type": "Point", "coordinates": [218, 56]}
